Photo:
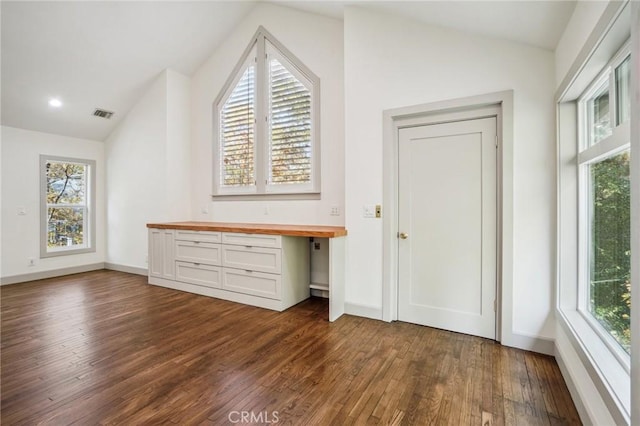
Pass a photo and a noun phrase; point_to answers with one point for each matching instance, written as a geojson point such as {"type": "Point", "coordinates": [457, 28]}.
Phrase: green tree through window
{"type": "Point", "coordinates": [610, 283]}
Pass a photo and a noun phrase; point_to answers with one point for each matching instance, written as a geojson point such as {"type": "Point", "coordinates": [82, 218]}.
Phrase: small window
{"type": "Point", "coordinates": [267, 138]}
{"type": "Point", "coordinates": [67, 209]}
{"type": "Point", "coordinates": [599, 114]}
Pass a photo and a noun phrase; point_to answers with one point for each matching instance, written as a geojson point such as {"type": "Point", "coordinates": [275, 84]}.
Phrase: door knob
{"type": "Point", "coordinates": [403, 235]}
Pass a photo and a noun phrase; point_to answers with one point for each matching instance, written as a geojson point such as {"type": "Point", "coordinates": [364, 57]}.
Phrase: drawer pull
{"type": "Point", "coordinates": [248, 247]}
{"type": "Point", "coordinates": [196, 264]}
{"type": "Point", "coordinates": [248, 271]}
{"type": "Point", "coordinates": [196, 242]}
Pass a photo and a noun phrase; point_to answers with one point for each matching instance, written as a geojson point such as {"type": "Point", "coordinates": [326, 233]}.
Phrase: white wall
{"type": "Point", "coordinates": [393, 62]}
{"type": "Point", "coordinates": [583, 20]}
{"type": "Point", "coordinates": [317, 42]}
{"type": "Point", "coordinates": [148, 168]}
{"type": "Point", "coordinates": [21, 150]}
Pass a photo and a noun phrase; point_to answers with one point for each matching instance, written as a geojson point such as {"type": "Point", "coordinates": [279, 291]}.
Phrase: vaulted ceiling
{"type": "Point", "coordinates": [104, 54]}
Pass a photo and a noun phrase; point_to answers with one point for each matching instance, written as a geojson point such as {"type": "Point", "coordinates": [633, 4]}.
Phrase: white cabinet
{"type": "Point", "coordinates": [161, 254]}
{"type": "Point", "coordinates": [269, 271]}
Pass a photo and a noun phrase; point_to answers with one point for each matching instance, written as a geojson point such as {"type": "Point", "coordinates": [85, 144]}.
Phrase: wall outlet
{"type": "Point", "coordinates": [335, 211]}
{"type": "Point", "coordinates": [316, 246]}
{"type": "Point", "coordinates": [31, 261]}
{"type": "Point", "coordinates": [378, 211]}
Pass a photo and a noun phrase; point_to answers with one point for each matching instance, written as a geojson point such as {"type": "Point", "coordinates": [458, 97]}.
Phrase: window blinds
{"type": "Point", "coordinates": [237, 129]}
{"type": "Point", "coordinates": [289, 127]}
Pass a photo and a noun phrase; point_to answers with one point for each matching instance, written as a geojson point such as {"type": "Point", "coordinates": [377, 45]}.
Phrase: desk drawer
{"type": "Point", "coordinates": [199, 274]}
{"type": "Point", "coordinates": [198, 252]}
{"type": "Point", "coordinates": [254, 240]}
{"type": "Point", "coordinates": [254, 283]}
{"type": "Point", "coordinates": [252, 258]}
{"type": "Point", "coordinates": [202, 236]}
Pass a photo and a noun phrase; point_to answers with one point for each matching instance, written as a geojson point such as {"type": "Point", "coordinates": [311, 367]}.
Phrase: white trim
{"type": "Point", "coordinates": [126, 268]}
{"type": "Point", "coordinates": [455, 109]}
{"type": "Point", "coordinates": [365, 311]}
{"type": "Point", "coordinates": [528, 342]}
{"type": "Point", "coordinates": [16, 279]}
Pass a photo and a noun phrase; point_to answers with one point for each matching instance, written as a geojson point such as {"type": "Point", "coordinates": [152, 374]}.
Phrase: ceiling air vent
{"type": "Point", "coordinates": [102, 113]}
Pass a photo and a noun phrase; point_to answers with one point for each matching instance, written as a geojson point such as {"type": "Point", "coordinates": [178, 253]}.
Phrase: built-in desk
{"type": "Point", "coordinates": [257, 264]}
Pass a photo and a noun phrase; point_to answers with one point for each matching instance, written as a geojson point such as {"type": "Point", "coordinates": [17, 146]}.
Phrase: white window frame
{"type": "Point", "coordinates": [590, 153]}
{"type": "Point", "coordinates": [606, 375]}
{"type": "Point", "coordinates": [89, 216]}
{"type": "Point", "coordinates": [265, 45]}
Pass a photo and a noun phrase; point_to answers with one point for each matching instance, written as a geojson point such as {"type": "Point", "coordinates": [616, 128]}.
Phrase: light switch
{"type": "Point", "coordinates": [369, 210]}
{"type": "Point", "coordinates": [22, 211]}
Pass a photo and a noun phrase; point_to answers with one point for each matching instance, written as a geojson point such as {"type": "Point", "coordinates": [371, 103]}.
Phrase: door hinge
{"type": "Point", "coordinates": [496, 141]}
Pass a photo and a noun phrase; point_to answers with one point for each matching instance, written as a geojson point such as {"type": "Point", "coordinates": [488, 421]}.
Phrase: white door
{"type": "Point", "coordinates": [447, 226]}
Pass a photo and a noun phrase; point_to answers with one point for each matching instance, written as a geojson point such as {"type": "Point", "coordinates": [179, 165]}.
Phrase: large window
{"type": "Point", "coordinates": [604, 195]}
{"type": "Point", "coordinates": [267, 121]}
{"type": "Point", "coordinates": [67, 209]}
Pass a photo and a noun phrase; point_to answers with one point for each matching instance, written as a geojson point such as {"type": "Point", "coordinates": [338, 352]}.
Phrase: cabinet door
{"type": "Point", "coordinates": [161, 257]}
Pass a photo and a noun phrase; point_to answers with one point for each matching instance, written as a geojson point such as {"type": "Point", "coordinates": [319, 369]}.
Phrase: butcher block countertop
{"type": "Point", "coordinates": [256, 228]}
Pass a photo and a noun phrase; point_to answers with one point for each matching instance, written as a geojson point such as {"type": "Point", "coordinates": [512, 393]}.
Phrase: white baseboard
{"type": "Point", "coordinates": [366, 311]}
{"type": "Point", "coordinates": [15, 279]}
{"type": "Point", "coordinates": [125, 268]}
{"type": "Point", "coordinates": [530, 343]}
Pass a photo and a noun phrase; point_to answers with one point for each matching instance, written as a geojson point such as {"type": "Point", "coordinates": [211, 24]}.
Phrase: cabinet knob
{"type": "Point", "coordinates": [403, 235]}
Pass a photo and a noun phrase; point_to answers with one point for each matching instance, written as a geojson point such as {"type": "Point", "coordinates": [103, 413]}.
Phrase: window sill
{"type": "Point", "coordinates": [67, 252]}
{"type": "Point", "coordinates": [263, 197]}
{"type": "Point", "coordinates": [609, 376]}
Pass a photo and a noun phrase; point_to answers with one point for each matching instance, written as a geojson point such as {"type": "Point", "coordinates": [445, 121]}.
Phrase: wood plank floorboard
{"type": "Point", "coordinates": [104, 347]}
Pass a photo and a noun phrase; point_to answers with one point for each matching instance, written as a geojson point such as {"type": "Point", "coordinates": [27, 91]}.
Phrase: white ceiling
{"type": "Point", "coordinates": [104, 54]}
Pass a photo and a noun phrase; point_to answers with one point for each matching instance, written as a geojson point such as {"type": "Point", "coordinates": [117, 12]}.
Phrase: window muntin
{"type": "Point", "coordinates": [286, 157]}
{"type": "Point", "coordinates": [604, 262]}
{"type": "Point", "coordinates": [67, 211]}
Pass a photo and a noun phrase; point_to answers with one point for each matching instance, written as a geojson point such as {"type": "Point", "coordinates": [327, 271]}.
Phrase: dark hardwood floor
{"type": "Point", "coordinates": [106, 348]}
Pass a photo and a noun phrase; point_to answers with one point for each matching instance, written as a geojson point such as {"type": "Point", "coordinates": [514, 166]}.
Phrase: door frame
{"type": "Point", "coordinates": [498, 104]}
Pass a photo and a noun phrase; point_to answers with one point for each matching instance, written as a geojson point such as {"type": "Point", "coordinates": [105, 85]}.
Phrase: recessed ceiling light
{"type": "Point", "coordinates": [55, 102]}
